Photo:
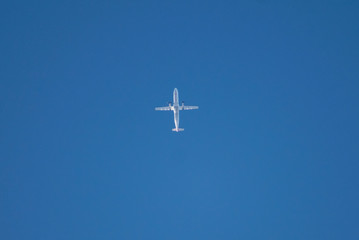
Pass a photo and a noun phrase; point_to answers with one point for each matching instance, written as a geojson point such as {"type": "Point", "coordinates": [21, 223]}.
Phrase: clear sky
{"type": "Point", "coordinates": [272, 153]}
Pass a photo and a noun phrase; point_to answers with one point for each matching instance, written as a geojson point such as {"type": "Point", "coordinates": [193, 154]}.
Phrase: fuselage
{"type": "Point", "coordinates": [176, 107]}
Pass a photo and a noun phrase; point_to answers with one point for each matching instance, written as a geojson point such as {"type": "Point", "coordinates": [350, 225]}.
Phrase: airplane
{"type": "Point", "coordinates": [176, 108]}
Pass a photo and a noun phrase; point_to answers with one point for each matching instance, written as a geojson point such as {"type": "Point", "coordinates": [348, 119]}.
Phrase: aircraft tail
{"type": "Point", "coordinates": [177, 129]}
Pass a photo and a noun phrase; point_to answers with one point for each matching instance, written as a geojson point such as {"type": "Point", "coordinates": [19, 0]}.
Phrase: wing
{"type": "Point", "coordinates": [162, 108]}
{"type": "Point", "coordinates": [189, 107]}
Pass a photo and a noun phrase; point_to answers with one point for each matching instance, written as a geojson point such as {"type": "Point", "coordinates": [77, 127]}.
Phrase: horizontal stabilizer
{"type": "Point", "coordinates": [177, 129]}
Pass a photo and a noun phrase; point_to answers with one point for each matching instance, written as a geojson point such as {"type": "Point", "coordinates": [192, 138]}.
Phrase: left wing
{"type": "Point", "coordinates": [162, 108]}
{"type": "Point", "coordinates": [189, 107]}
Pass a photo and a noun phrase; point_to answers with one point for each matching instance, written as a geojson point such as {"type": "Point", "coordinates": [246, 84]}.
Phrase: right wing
{"type": "Point", "coordinates": [189, 107]}
{"type": "Point", "coordinates": [163, 109]}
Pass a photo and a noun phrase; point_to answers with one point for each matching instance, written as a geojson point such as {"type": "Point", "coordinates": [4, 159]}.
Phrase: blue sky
{"type": "Point", "coordinates": [272, 153]}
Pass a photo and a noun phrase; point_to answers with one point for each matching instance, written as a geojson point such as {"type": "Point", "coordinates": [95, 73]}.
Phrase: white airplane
{"type": "Point", "coordinates": [176, 108]}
